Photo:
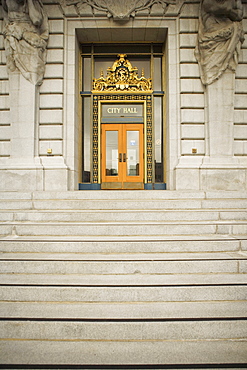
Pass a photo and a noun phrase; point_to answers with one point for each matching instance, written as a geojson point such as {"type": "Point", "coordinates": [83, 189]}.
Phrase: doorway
{"type": "Point", "coordinates": [117, 92]}
{"type": "Point", "coordinates": [122, 156]}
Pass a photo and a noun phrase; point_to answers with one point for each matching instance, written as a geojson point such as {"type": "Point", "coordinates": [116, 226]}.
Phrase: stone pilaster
{"type": "Point", "coordinates": [23, 169]}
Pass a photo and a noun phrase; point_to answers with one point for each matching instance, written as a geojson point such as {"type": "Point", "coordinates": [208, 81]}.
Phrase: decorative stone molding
{"type": "Point", "coordinates": [26, 34]}
{"type": "Point", "coordinates": [220, 36]}
{"type": "Point", "coordinates": [122, 77]}
{"type": "Point", "coordinates": [123, 10]}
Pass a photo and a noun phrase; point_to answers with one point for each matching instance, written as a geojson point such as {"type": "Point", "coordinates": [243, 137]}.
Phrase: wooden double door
{"type": "Point", "coordinates": [122, 156]}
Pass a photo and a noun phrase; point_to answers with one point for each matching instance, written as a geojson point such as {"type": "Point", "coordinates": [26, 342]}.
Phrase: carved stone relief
{"type": "Point", "coordinates": [124, 9]}
{"type": "Point", "coordinates": [26, 35]}
{"type": "Point", "coordinates": [219, 38]}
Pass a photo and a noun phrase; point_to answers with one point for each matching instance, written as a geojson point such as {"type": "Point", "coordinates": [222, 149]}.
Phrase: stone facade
{"type": "Point", "coordinates": [121, 279]}
{"type": "Point", "coordinates": [206, 127]}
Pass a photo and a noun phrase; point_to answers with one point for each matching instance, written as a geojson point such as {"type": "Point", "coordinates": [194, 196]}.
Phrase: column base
{"type": "Point", "coordinates": [37, 175]}
{"type": "Point", "coordinates": [211, 174]}
{"type": "Point", "coordinates": [21, 175]}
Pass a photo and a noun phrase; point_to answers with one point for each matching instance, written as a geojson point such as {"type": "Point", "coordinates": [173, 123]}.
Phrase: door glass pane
{"type": "Point", "coordinates": [87, 72]}
{"type": "Point", "coordinates": [101, 64]}
{"type": "Point", "coordinates": [132, 153]}
{"type": "Point", "coordinates": [111, 153]}
{"type": "Point", "coordinates": [142, 64]}
{"type": "Point", "coordinates": [157, 76]}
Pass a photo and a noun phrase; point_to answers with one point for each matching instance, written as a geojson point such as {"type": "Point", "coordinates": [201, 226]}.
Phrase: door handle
{"type": "Point", "coordinates": [120, 157]}
{"type": "Point", "coordinates": [124, 157]}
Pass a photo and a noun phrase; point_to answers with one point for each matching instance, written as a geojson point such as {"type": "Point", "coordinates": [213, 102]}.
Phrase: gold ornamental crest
{"type": "Point", "coordinates": [122, 77]}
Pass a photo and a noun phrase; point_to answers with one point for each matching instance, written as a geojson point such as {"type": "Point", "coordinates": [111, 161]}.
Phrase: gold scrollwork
{"type": "Point", "coordinates": [122, 77]}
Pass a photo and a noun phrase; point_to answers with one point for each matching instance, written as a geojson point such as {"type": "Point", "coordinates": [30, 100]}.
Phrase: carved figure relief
{"type": "Point", "coordinates": [122, 77]}
{"type": "Point", "coordinates": [26, 34]}
{"type": "Point", "coordinates": [120, 9]}
{"type": "Point", "coordinates": [219, 38]}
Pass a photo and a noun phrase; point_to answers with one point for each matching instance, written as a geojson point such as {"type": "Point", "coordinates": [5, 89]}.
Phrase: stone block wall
{"type": "Point", "coordinates": [5, 126]}
{"type": "Point", "coordinates": [51, 111]}
{"type": "Point", "coordinates": [192, 100]}
{"type": "Point", "coordinates": [240, 104]}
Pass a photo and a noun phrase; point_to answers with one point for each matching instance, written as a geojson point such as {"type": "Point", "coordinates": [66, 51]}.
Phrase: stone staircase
{"type": "Point", "coordinates": [128, 279]}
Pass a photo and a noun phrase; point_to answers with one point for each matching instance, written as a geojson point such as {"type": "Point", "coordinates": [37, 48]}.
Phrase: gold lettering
{"type": "Point", "coordinates": [124, 110]}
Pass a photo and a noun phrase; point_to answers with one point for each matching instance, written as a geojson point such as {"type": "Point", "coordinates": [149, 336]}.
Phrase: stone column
{"type": "Point", "coordinates": [23, 103]}
{"type": "Point", "coordinates": [220, 121]}
{"type": "Point", "coordinates": [220, 36]}
{"type": "Point", "coordinates": [220, 170]}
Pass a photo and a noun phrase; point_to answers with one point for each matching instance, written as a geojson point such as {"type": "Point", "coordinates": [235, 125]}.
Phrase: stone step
{"type": "Point", "coordinates": [138, 279]}
{"type": "Point", "coordinates": [123, 194]}
{"type": "Point", "coordinates": [178, 310]}
{"type": "Point", "coordinates": [138, 194]}
{"type": "Point", "coordinates": [123, 216]}
{"type": "Point", "coordinates": [122, 257]}
{"type": "Point", "coordinates": [142, 352]}
{"type": "Point", "coordinates": [126, 267]}
{"type": "Point", "coordinates": [115, 275]}
{"type": "Point", "coordinates": [125, 245]}
{"type": "Point", "coordinates": [121, 331]}
{"type": "Point", "coordinates": [123, 294]}
{"type": "Point", "coordinates": [133, 337]}
{"type": "Point", "coordinates": [123, 204]}
{"type": "Point", "coordinates": [121, 229]}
